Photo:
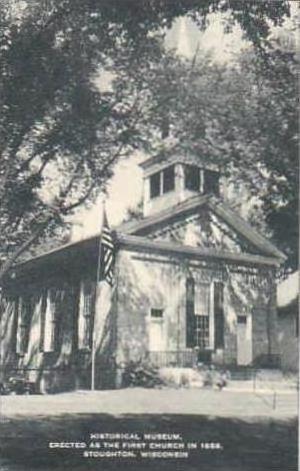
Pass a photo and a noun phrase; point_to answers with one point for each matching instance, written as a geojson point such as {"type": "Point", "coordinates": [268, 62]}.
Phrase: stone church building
{"type": "Point", "coordinates": [192, 282]}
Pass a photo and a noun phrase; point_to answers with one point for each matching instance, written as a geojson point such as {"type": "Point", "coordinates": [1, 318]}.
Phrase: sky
{"type": "Point", "coordinates": [125, 188]}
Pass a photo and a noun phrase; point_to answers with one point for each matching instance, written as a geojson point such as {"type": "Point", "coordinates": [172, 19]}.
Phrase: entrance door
{"type": "Point", "coordinates": [156, 331]}
{"type": "Point", "coordinates": [244, 340]}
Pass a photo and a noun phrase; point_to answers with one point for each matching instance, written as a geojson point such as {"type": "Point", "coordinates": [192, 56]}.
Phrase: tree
{"type": "Point", "coordinates": [243, 116]}
{"type": "Point", "coordinates": [275, 111]}
{"type": "Point", "coordinates": [60, 132]}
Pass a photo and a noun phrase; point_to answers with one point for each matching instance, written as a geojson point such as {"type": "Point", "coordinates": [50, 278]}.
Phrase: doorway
{"type": "Point", "coordinates": [244, 340]}
{"type": "Point", "coordinates": [156, 332]}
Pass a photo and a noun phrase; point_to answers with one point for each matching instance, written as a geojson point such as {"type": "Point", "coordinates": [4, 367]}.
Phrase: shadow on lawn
{"type": "Point", "coordinates": [250, 444]}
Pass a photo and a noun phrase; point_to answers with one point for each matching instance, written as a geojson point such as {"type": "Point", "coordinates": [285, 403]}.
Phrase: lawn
{"type": "Point", "coordinates": [249, 441]}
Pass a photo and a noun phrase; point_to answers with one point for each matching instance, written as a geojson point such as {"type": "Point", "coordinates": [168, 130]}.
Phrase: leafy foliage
{"type": "Point", "coordinates": [243, 116]}
{"type": "Point", "coordinates": [77, 93]}
{"type": "Point", "coordinates": [142, 374]}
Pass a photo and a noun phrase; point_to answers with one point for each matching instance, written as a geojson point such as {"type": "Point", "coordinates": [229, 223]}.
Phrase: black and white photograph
{"type": "Point", "coordinates": [149, 277]}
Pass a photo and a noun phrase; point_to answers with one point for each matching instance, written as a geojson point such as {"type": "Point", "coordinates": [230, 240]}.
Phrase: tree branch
{"type": "Point", "coordinates": [7, 265]}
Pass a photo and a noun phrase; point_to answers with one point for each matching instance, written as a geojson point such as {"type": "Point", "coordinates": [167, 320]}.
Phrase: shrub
{"type": "Point", "coordinates": [141, 373]}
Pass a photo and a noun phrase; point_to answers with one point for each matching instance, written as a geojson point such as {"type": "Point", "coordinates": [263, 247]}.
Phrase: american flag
{"type": "Point", "coordinates": [107, 253]}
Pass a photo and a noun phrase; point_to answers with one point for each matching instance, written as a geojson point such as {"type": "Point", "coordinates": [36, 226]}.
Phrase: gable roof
{"type": "Point", "coordinates": [132, 234]}
{"type": "Point", "coordinates": [184, 208]}
{"type": "Point", "coordinates": [217, 206]}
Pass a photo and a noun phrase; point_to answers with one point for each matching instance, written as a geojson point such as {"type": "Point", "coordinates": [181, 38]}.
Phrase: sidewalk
{"type": "Point", "coordinates": [262, 387]}
{"type": "Point", "coordinates": [226, 403]}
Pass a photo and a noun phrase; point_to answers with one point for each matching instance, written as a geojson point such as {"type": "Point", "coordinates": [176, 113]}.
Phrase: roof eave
{"type": "Point", "coordinates": [135, 242]}
{"type": "Point", "coordinates": [166, 215]}
{"type": "Point", "coordinates": [245, 229]}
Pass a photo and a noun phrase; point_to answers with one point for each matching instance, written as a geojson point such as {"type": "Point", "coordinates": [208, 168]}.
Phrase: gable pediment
{"type": "Point", "coordinates": [204, 223]}
{"type": "Point", "coordinates": [205, 230]}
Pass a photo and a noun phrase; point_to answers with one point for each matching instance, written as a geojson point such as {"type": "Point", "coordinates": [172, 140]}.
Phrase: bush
{"type": "Point", "coordinates": [141, 373]}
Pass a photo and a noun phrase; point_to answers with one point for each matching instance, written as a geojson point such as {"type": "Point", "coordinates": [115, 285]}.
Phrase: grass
{"type": "Point", "coordinates": [248, 443]}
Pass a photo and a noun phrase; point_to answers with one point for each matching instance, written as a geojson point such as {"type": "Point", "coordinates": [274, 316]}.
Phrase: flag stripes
{"type": "Point", "coordinates": [107, 252]}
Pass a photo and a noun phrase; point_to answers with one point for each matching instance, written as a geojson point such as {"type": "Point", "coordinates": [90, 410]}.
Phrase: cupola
{"type": "Point", "coordinates": [172, 180]}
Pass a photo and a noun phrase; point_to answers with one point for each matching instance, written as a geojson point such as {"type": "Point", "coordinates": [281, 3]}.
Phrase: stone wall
{"type": "Point", "coordinates": [126, 331]}
{"type": "Point", "coordinates": [148, 280]}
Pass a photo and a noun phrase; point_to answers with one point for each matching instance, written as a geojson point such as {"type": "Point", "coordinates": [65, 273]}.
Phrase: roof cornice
{"type": "Point", "coordinates": [222, 210]}
{"type": "Point", "coordinates": [218, 207]}
{"type": "Point", "coordinates": [129, 234]}
{"type": "Point", "coordinates": [137, 243]}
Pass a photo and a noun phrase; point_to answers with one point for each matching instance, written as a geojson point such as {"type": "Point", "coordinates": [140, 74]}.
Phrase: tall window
{"type": "Point", "coordinates": [168, 179]}
{"type": "Point", "coordinates": [202, 310]}
{"type": "Point", "coordinates": [162, 182]}
{"type": "Point", "coordinates": [211, 182]}
{"type": "Point", "coordinates": [219, 314]}
{"type": "Point", "coordinates": [24, 307]}
{"type": "Point", "coordinates": [86, 312]}
{"type": "Point", "coordinates": [52, 319]}
{"type": "Point", "coordinates": [155, 185]}
{"type": "Point", "coordinates": [192, 177]}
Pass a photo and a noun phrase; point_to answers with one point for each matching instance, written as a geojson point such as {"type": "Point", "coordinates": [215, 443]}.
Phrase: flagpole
{"type": "Point", "coordinates": [96, 303]}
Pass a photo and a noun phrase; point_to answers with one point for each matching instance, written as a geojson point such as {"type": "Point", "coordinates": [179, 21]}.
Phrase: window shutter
{"type": "Point", "coordinates": [57, 319]}
{"type": "Point", "coordinates": [219, 314]}
{"type": "Point", "coordinates": [190, 310]}
{"type": "Point", "coordinates": [24, 317]}
{"type": "Point", "coordinates": [19, 331]}
{"type": "Point", "coordinates": [43, 303]}
{"type": "Point", "coordinates": [10, 307]}
{"type": "Point", "coordinates": [86, 311]}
